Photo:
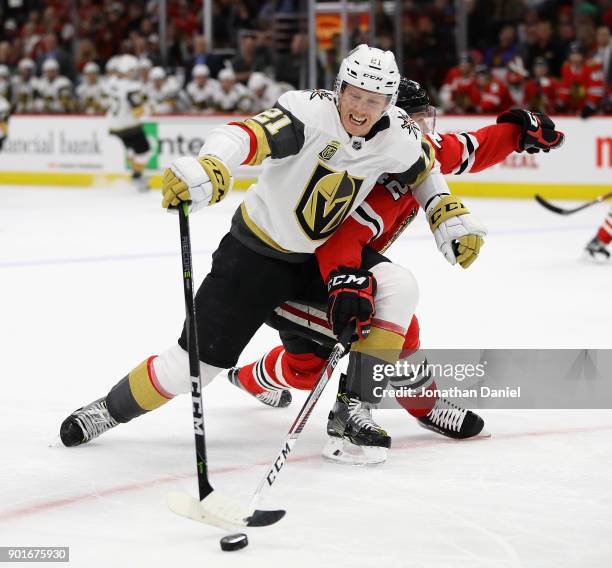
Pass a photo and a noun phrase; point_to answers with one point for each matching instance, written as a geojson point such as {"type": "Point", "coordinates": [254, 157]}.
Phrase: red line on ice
{"type": "Point", "coordinates": [407, 443]}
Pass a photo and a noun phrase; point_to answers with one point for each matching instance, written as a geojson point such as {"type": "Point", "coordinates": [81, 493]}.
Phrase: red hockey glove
{"type": "Point", "coordinates": [351, 296]}
{"type": "Point", "coordinates": [537, 130]}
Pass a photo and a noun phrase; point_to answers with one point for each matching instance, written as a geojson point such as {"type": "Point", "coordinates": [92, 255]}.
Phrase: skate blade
{"type": "Point", "coordinates": [341, 450]}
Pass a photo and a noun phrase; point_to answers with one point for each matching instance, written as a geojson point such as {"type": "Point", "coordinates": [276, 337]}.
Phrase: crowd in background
{"type": "Point", "coordinates": [549, 55]}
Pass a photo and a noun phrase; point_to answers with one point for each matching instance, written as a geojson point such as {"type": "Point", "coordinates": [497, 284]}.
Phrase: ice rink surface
{"type": "Point", "coordinates": [90, 284]}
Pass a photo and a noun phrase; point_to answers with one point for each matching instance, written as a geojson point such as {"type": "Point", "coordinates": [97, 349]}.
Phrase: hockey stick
{"type": "Point", "coordinates": [562, 211]}
{"type": "Point", "coordinates": [213, 507]}
{"type": "Point", "coordinates": [232, 515]}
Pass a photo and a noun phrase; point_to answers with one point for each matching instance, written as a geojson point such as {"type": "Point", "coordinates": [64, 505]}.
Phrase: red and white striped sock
{"type": "Point", "coordinates": [605, 231]}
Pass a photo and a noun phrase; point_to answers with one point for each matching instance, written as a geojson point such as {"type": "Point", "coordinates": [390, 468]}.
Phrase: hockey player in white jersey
{"type": "Point", "coordinates": [231, 96]}
{"type": "Point", "coordinates": [201, 88]}
{"type": "Point", "coordinates": [5, 82]}
{"type": "Point", "coordinates": [55, 90]}
{"type": "Point", "coordinates": [24, 86]}
{"type": "Point", "coordinates": [163, 95]}
{"type": "Point", "coordinates": [321, 152]}
{"type": "Point", "coordinates": [90, 95]}
{"type": "Point", "coordinates": [264, 92]}
{"type": "Point", "coordinates": [125, 107]}
{"type": "Point", "coordinates": [5, 111]}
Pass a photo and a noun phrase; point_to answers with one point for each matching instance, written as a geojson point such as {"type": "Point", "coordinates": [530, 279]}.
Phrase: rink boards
{"type": "Point", "coordinates": [77, 150]}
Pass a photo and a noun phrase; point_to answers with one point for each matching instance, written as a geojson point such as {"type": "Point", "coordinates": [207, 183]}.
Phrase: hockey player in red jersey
{"type": "Point", "coordinates": [384, 214]}
{"type": "Point", "coordinates": [597, 249]}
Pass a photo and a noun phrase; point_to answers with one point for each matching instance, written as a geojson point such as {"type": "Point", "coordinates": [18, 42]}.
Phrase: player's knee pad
{"type": "Point", "coordinates": [171, 369]}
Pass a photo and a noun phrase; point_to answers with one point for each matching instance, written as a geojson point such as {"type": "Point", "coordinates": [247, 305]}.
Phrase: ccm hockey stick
{"type": "Point", "coordinates": [562, 211]}
{"type": "Point", "coordinates": [213, 507]}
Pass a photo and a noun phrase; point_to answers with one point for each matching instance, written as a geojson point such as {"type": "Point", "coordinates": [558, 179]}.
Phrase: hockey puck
{"type": "Point", "coordinates": [234, 542]}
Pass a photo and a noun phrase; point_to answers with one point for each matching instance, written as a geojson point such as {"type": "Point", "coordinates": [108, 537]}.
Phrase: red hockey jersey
{"type": "Point", "coordinates": [390, 206]}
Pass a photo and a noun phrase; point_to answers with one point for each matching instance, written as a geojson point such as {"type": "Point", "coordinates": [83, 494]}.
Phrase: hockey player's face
{"type": "Point", "coordinates": [360, 110]}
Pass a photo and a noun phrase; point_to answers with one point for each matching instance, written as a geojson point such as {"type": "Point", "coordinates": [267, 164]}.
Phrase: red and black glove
{"type": "Point", "coordinates": [351, 297]}
{"type": "Point", "coordinates": [537, 130]}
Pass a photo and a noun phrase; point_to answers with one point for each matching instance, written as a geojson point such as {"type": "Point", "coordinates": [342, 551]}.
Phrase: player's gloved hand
{"type": "Point", "coordinates": [351, 296]}
{"type": "Point", "coordinates": [458, 234]}
{"type": "Point", "coordinates": [537, 130]}
{"type": "Point", "coordinates": [201, 181]}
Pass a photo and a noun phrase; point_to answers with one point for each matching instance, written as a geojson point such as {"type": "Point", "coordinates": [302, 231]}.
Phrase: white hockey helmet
{"type": "Point", "coordinates": [370, 69]}
{"type": "Point", "coordinates": [226, 74]}
{"type": "Point", "coordinates": [144, 63]}
{"type": "Point", "coordinates": [4, 71]}
{"type": "Point", "coordinates": [26, 63]}
{"type": "Point", "coordinates": [111, 64]}
{"type": "Point", "coordinates": [91, 67]}
{"type": "Point", "coordinates": [157, 74]}
{"type": "Point", "coordinates": [257, 81]}
{"type": "Point", "coordinates": [200, 70]}
{"type": "Point", "coordinates": [127, 64]}
{"type": "Point", "coordinates": [50, 65]}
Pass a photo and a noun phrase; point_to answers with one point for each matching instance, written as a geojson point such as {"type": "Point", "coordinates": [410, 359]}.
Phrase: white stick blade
{"type": "Point", "coordinates": [216, 509]}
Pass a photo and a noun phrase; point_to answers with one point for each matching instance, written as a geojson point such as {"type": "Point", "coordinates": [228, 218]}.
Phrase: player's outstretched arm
{"type": "Point", "coordinates": [458, 234]}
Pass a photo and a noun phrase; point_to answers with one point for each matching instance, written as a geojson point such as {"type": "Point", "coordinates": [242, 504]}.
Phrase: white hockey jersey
{"type": "Point", "coordinates": [5, 110]}
{"type": "Point", "coordinates": [316, 174]}
{"type": "Point", "coordinates": [55, 95]}
{"type": "Point", "coordinates": [24, 93]}
{"type": "Point", "coordinates": [201, 98]}
{"type": "Point", "coordinates": [91, 98]}
{"type": "Point", "coordinates": [237, 98]}
{"type": "Point", "coordinates": [125, 102]}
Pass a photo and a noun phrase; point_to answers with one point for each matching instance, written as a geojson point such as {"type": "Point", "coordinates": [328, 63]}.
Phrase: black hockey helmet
{"type": "Point", "coordinates": [412, 97]}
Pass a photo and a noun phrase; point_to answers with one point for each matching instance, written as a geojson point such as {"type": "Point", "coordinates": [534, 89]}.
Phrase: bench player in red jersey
{"type": "Point", "coordinates": [306, 331]}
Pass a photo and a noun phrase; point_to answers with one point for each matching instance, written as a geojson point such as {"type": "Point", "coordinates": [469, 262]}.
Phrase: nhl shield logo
{"type": "Point", "coordinates": [328, 152]}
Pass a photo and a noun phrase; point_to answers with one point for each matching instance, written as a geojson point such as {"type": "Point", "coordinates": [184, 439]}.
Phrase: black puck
{"type": "Point", "coordinates": [234, 542]}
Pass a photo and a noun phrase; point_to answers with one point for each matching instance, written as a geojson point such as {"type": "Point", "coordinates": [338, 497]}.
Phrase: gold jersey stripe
{"type": "Point", "coordinates": [261, 235]}
{"type": "Point", "coordinates": [263, 147]}
{"type": "Point", "coordinates": [382, 344]}
{"type": "Point", "coordinates": [143, 391]}
{"type": "Point", "coordinates": [428, 154]}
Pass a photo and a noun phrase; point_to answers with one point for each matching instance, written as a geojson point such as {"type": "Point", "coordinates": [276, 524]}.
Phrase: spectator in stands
{"type": "Point", "coordinates": [201, 55]}
{"type": "Point", "coordinates": [515, 78]}
{"type": "Point", "coordinates": [582, 85]}
{"type": "Point", "coordinates": [542, 90]}
{"type": "Point", "coordinates": [505, 50]}
{"type": "Point", "coordinates": [52, 51]}
{"type": "Point", "coordinates": [245, 61]}
{"type": "Point", "coordinates": [488, 94]}
{"type": "Point", "coordinates": [545, 46]}
{"type": "Point", "coordinates": [602, 53]}
{"type": "Point", "coordinates": [292, 67]}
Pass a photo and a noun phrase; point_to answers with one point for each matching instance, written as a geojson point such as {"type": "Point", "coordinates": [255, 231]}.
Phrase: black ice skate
{"type": "Point", "coordinates": [453, 421]}
{"type": "Point", "coordinates": [596, 250]}
{"type": "Point", "coordinates": [86, 423]}
{"type": "Point", "coordinates": [276, 399]}
{"type": "Point", "coordinates": [354, 437]}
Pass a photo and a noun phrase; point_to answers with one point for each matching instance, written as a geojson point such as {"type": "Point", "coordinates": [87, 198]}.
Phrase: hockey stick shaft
{"type": "Point", "coordinates": [204, 486]}
{"type": "Point", "coordinates": [273, 471]}
{"type": "Point", "coordinates": [561, 211]}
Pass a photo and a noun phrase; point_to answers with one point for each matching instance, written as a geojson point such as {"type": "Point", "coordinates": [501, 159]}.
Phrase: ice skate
{"type": "Point", "coordinates": [596, 250]}
{"type": "Point", "coordinates": [276, 399]}
{"type": "Point", "coordinates": [354, 437]}
{"type": "Point", "coordinates": [86, 423]}
{"type": "Point", "coordinates": [452, 421]}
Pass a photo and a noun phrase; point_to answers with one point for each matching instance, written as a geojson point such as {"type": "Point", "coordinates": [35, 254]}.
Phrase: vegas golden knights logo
{"type": "Point", "coordinates": [326, 201]}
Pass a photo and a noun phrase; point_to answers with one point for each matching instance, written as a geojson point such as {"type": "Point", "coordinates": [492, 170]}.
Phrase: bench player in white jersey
{"type": "Point", "coordinates": [24, 86]}
{"type": "Point", "coordinates": [264, 92]}
{"type": "Point", "coordinates": [321, 154]}
{"type": "Point", "coordinates": [5, 111]}
{"type": "Point", "coordinates": [201, 88]}
{"type": "Point", "coordinates": [54, 90]}
{"type": "Point", "coordinates": [163, 94]}
{"type": "Point", "coordinates": [231, 96]}
{"type": "Point", "coordinates": [5, 82]}
{"type": "Point", "coordinates": [90, 93]}
{"type": "Point", "coordinates": [125, 107]}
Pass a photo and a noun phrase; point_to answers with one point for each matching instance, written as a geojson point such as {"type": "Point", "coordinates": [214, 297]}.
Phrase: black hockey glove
{"type": "Point", "coordinates": [351, 296]}
{"type": "Point", "coordinates": [537, 130]}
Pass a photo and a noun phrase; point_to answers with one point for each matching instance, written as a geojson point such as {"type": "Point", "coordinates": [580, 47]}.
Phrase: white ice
{"type": "Point", "coordinates": [90, 285]}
